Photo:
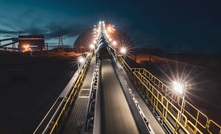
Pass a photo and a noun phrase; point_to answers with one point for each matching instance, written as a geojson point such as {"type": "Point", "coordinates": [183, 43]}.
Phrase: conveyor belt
{"type": "Point", "coordinates": [116, 115]}
{"type": "Point", "coordinates": [152, 120]}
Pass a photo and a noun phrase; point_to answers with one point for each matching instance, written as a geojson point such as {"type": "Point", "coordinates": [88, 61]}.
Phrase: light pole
{"type": "Point", "coordinates": [92, 46]}
{"type": "Point", "coordinates": [123, 51]}
{"type": "Point", "coordinates": [114, 43]}
{"type": "Point", "coordinates": [181, 89]}
{"type": "Point", "coordinates": [80, 61]}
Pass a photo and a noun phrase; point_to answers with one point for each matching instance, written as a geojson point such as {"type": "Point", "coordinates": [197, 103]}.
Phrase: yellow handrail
{"type": "Point", "coordinates": [63, 112]}
{"type": "Point", "coordinates": [156, 93]}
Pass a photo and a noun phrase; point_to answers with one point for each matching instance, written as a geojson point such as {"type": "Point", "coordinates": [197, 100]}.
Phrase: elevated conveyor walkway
{"type": "Point", "coordinates": [76, 119]}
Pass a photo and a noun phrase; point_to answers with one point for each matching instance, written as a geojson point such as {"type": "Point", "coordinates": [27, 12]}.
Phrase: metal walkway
{"type": "Point", "coordinates": [76, 119]}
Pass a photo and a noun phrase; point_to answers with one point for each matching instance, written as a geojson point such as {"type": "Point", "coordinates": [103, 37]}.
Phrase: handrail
{"type": "Point", "coordinates": [97, 116]}
{"type": "Point", "coordinates": [59, 120]}
{"type": "Point", "coordinates": [168, 110]}
{"type": "Point", "coordinates": [156, 93]}
{"type": "Point", "coordinates": [69, 91]}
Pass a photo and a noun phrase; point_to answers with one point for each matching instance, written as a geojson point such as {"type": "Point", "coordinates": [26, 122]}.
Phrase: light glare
{"type": "Point", "coordinates": [95, 42]}
{"type": "Point", "coordinates": [109, 28]}
{"type": "Point", "coordinates": [114, 43]}
{"type": "Point", "coordinates": [178, 87]}
{"type": "Point", "coordinates": [81, 59]}
{"type": "Point", "coordinates": [123, 50]}
{"type": "Point", "coordinates": [92, 46]}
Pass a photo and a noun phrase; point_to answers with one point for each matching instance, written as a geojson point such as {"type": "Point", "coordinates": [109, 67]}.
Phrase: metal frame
{"type": "Point", "coordinates": [155, 92]}
{"type": "Point", "coordinates": [58, 121]}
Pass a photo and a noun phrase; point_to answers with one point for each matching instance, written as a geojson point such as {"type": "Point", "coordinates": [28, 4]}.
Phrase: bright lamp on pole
{"type": "Point", "coordinates": [80, 60]}
{"type": "Point", "coordinates": [178, 87]}
{"type": "Point", "coordinates": [95, 42]}
{"type": "Point", "coordinates": [114, 43]}
{"type": "Point", "coordinates": [123, 51]}
{"type": "Point", "coordinates": [181, 89]}
{"type": "Point", "coordinates": [92, 46]}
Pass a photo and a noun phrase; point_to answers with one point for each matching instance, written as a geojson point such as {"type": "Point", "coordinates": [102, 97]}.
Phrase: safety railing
{"type": "Point", "coordinates": [164, 101]}
{"type": "Point", "coordinates": [58, 121]}
{"type": "Point", "coordinates": [164, 89]}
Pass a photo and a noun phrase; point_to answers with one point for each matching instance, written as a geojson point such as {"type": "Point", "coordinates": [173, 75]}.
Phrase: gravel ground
{"type": "Point", "coordinates": [30, 85]}
{"type": "Point", "coordinates": [28, 88]}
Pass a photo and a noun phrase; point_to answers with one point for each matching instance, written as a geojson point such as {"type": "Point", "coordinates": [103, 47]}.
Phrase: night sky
{"type": "Point", "coordinates": [173, 25]}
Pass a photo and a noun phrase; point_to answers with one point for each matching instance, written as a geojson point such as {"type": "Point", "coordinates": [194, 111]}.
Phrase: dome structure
{"type": "Point", "coordinates": [83, 41]}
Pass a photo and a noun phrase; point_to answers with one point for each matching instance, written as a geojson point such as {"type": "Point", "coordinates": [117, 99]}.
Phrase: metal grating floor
{"type": "Point", "coordinates": [75, 121]}
{"type": "Point", "coordinates": [76, 118]}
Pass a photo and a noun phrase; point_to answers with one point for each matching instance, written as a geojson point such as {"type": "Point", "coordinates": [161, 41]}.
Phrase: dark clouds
{"type": "Point", "coordinates": [184, 25]}
{"type": "Point", "coordinates": [51, 30]}
{"type": "Point", "coordinates": [66, 30]}
{"type": "Point", "coordinates": [31, 20]}
{"type": "Point", "coordinates": [9, 32]}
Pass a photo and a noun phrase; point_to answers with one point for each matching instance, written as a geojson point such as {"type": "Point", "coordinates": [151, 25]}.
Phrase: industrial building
{"type": "Point", "coordinates": [31, 43]}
